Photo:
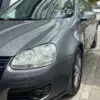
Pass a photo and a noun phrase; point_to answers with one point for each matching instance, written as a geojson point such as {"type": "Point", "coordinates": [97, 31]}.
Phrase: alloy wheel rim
{"type": "Point", "coordinates": [77, 73]}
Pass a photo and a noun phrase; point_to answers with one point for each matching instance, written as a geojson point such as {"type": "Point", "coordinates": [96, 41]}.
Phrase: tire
{"type": "Point", "coordinates": [76, 74]}
{"type": "Point", "coordinates": [94, 44]}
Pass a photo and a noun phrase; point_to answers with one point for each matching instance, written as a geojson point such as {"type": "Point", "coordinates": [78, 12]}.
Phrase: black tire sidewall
{"type": "Point", "coordinates": [94, 42]}
{"type": "Point", "coordinates": [75, 90]}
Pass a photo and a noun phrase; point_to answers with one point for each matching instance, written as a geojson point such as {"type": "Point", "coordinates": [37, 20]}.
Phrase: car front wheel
{"type": "Point", "coordinates": [76, 73]}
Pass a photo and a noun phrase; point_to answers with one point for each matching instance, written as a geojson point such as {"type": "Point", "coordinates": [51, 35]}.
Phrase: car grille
{"type": "Point", "coordinates": [25, 93]}
{"type": "Point", "coordinates": [3, 62]}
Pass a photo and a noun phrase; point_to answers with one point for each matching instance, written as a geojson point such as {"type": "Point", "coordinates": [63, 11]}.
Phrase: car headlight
{"type": "Point", "coordinates": [36, 57]}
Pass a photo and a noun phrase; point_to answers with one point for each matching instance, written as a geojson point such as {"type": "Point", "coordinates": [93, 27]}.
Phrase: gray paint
{"type": "Point", "coordinates": [18, 36]}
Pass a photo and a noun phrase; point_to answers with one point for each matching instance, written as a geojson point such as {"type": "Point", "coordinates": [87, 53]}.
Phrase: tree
{"type": "Point", "coordinates": [93, 1]}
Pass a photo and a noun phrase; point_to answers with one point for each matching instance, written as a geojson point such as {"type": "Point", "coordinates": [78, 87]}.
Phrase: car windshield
{"type": "Point", "coordinates": [39, 9]}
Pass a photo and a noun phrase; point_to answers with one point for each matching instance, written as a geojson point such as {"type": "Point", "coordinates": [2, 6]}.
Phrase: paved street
{"type": "Point", "coordinates": [90, 87]}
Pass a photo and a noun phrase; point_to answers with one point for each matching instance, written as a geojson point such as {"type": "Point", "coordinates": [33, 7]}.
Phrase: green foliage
{"type": "Point", "coordinates": [93, 1]}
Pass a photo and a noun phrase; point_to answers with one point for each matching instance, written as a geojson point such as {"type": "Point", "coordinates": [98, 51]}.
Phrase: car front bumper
{"type": "Point", "coordinates": [21, 84]}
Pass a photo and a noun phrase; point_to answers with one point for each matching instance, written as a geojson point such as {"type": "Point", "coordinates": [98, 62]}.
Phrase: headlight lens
{"type": "Point", "coordinates": [36, 57]}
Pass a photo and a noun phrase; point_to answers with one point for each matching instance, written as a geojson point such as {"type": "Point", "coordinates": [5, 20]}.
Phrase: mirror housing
{"type": "Point", "coordinates": [88, 15]}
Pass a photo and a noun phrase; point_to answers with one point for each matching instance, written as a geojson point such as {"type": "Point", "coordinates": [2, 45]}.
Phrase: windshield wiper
{"type": "Point", "coordinates": [14, 19]}
{"type": "Point", "coordinates": [2, 19]}
{"type": "Point", "coordinates": [20, 19]}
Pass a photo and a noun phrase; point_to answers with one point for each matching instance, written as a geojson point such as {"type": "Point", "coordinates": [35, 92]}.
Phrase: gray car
{"type": "Point", "coordinates": [42, 47]}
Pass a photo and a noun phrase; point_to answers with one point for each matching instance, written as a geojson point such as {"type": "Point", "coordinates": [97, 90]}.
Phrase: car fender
{"type": "Point", "coordinates": [66, 43]}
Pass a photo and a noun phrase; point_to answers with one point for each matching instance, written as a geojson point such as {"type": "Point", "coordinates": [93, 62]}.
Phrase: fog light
{"type": "Point", "coordinates": [37, 95]}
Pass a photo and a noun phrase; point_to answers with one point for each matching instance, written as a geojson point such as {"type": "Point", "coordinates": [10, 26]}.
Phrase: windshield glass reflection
{"type": "Point", "coordinates": [40, 9]}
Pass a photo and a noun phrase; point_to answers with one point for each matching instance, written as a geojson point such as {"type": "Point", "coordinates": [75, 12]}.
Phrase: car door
{"type": "Point", "coordinates": [86, 25]}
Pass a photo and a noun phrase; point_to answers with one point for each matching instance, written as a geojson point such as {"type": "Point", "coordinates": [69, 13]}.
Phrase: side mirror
{"type": "Point", "coordinates": [88, 15]}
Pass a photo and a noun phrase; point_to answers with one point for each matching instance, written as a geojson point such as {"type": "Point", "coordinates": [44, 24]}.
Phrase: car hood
{"type": "Point", "coordinates": [17, 36]}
